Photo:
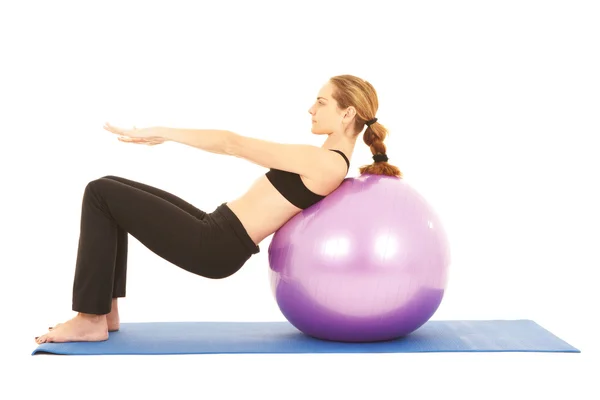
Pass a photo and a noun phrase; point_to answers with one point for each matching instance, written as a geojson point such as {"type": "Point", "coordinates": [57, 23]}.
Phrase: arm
{"type": "Point", "coordinates": [211, 140]}
{"type": "Point", "coordinates": [307, 160]}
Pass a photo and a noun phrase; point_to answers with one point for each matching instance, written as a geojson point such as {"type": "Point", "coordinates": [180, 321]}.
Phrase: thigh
{"type": "Point", "coordinates": [164, 228]}
{"type": "Point", "coordinates": [171, 198]}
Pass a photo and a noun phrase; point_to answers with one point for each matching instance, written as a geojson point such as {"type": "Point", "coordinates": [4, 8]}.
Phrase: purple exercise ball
{"type": "Point", "coordinates": [367, 263]}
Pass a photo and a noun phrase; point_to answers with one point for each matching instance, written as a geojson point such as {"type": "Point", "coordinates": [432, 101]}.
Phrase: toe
{"type": "Point", "coordinates": [55, 326]}
{"type": "Point", "coordinates": [47, 337]}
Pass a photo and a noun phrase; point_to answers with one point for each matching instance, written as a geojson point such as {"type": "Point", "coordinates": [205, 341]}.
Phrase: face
{"type": "Point", "coordinates": [326, 116]}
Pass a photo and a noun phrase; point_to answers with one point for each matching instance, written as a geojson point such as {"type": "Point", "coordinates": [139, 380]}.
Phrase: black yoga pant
{"type": "Point", "coordinates": [213, 245]}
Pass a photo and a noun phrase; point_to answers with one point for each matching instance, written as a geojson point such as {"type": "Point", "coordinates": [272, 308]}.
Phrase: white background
{"type": "Point", "coordinates": [493, 110]}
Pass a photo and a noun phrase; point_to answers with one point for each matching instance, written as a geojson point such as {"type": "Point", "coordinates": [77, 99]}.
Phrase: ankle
{"type": "Point", "coordinates": [92, 317]}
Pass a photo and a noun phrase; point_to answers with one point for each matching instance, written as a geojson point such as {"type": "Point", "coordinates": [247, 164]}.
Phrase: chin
{"type": "Point", "coordinates": [318, 132]}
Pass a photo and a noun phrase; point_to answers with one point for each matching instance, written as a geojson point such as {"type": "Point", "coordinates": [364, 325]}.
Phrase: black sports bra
{"type": "Point", "coordinates": [290, 185]}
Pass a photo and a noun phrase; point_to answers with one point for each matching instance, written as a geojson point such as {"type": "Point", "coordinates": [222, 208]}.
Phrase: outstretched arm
{"type": "Point", "coordinates": [211, 140]}
{"type": "Point", "coordinates": [307, 160]}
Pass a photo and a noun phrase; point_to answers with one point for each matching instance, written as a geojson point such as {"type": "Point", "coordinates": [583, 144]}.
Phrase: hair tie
{"type": "Point", "coordinates": [379, 157]}
{"type": "Point", "coordinates": [371, 121]}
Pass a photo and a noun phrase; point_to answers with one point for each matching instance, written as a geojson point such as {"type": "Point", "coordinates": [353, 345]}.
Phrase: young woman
{"type": "Point", "coordinates": [215, 244]}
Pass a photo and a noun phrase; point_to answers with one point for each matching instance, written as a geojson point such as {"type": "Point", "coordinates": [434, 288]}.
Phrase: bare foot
{"type": "Point", "coordinates": [112, 318]}
{"type": "Point", "coordinates": [81, 328]}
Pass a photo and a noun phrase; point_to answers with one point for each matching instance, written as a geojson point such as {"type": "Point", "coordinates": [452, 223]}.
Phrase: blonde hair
{"type": "Point", "coordinates": [349, 90]}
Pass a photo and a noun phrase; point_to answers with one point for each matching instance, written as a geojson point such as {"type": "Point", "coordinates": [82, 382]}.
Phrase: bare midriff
{"type": "Point", "coordinates": [263, 210]}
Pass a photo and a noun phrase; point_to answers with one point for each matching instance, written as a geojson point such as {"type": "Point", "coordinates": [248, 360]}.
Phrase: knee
{"type": "Point", "coordinates": [93, 185]}
{"type": "Point", "coordinates": [112, 177]}
{"type": "Point", "coordinates": [98, 181]}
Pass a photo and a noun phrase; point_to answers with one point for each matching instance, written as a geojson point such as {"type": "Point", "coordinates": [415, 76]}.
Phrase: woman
{"type": "Point", "coordinates": [216, 244]}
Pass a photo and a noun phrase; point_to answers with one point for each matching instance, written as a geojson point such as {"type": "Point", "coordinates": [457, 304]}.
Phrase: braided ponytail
{"type": "Point", "coordinates": [373, 137]}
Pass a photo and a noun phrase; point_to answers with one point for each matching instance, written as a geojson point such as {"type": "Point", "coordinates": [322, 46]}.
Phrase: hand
{"type": "Point", "coordinates": [147, 136]}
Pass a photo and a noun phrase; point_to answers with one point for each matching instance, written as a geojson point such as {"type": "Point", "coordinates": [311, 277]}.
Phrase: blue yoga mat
{"type": "Point", "coordinates": [282, 337]}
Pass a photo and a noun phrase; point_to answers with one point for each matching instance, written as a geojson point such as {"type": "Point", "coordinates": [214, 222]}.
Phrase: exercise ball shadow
{"type": "Point", "coordinates": [367, 263]}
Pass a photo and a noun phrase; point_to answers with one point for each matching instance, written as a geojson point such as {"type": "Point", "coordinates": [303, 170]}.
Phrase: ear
{"type": "Point", "coordinates": [350, 113]}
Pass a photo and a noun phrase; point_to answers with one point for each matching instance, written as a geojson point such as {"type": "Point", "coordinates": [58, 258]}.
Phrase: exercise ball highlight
{"type": "Point", "coordinates": [367, 263]}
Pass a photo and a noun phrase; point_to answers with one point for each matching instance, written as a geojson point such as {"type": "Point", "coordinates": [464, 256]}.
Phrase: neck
{"type": "Point", "coordinates": [340, 142]}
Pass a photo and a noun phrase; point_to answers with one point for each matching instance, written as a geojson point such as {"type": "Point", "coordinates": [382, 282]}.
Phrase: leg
{"type": "Point", "coordinates": [164, 228]}
{"type": "Point", "coordinates": [121, 260]}
{"type": "Point", "coordinates": [110, 206]}
{"type": "Point", "coordinates": [120, 274]}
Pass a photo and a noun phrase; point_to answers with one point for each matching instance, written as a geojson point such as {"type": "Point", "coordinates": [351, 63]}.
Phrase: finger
{"type": "Point", "coordinates": [112, 129]}
{"type": "Point", "coordinates": [133, 140]}
{"type": "Point", "coordinates": [116, 130]}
